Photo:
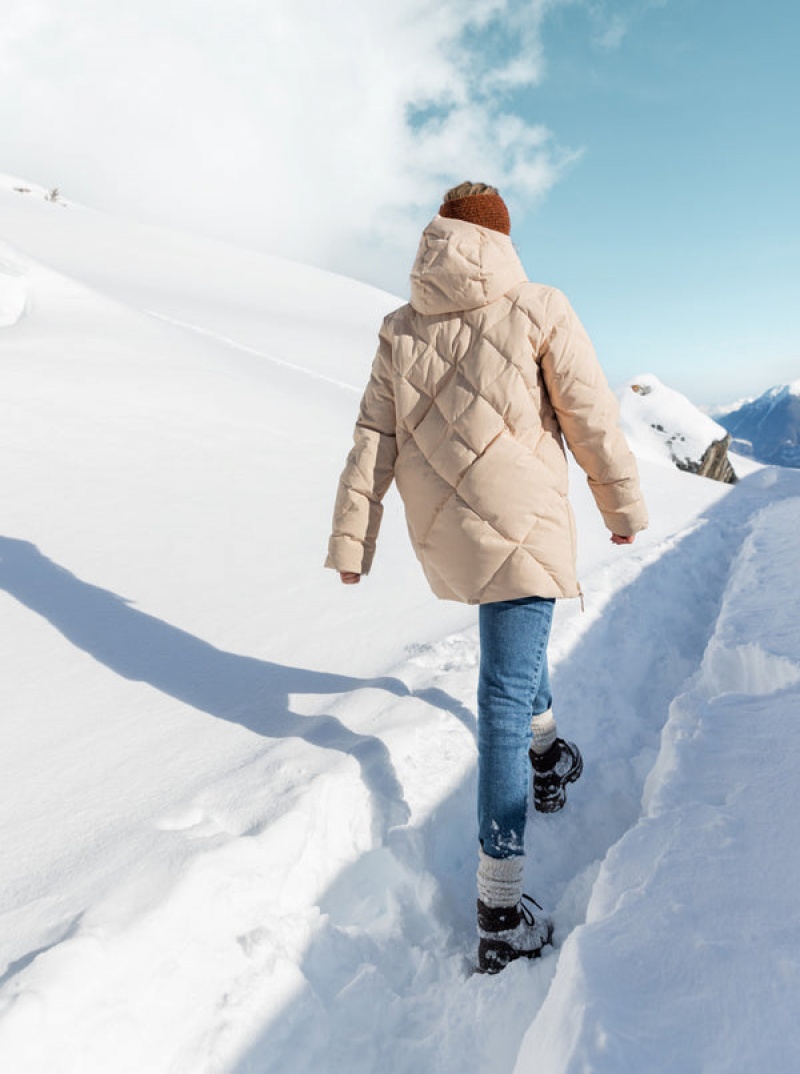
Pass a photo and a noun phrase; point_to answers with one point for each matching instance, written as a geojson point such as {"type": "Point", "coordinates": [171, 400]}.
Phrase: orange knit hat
{"type": "Point", "coordinates": [477, 203]}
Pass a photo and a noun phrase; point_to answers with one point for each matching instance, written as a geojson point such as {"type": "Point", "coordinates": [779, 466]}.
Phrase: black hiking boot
{"type": "Point", "coordinates": [552, 771]}
{"type": "Point", "coordinates": [510, 932]}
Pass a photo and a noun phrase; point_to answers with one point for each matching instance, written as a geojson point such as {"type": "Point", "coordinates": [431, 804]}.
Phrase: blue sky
{"type": "Point", "coordinates": [677, 232]}
{"type": "Point", "coordinates": [648, 148]}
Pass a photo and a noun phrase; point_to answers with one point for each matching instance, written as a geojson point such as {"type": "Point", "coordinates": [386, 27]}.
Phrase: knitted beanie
{"type": "Point", "coordinates": [477, 203]}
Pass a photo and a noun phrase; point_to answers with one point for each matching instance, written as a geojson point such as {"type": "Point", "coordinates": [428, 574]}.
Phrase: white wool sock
{"type": "Point", "coordinates": [499, 879]}
{"type": "Point", "coordinates": [543, 731]}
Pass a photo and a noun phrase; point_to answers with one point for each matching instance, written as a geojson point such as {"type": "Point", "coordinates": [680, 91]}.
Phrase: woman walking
{"type": "Point", "coordinates": [476, 384]}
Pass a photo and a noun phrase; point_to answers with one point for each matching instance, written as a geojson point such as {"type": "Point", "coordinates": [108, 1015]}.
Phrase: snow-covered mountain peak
{"type": "Point", "coordinates": [768, 428]}
{"type": "Point", "coordinates": [662, 425]}
{"type": "Point", "coordinates": [782, 391]}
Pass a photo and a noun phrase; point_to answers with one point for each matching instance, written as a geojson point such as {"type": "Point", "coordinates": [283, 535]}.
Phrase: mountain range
{"type": "Point", "coordinates": [767, 428]}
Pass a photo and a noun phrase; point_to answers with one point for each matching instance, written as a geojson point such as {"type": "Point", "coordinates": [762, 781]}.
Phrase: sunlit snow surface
{"type": "Point", "coordinates": [238, 798]}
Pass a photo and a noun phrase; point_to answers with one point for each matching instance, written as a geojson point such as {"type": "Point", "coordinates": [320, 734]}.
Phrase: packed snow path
{"type": "Point", "coordinates": [380, 970]}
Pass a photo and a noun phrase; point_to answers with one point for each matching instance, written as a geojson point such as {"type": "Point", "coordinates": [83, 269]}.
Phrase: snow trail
{"type": "Point", "coordinates": [709, 855]}
{"type": "Point", "coordinates": [236, 345]}
{"type": "Point", "coordinates": [390, 959]}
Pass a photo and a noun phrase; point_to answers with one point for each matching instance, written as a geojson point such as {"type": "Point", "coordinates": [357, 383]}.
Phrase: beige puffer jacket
{"type": "Point", "coordinates": [473, 384]}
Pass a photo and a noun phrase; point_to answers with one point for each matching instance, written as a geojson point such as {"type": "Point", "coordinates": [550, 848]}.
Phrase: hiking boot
{"type": "Point", "coordinates": [510, 932]}
{"type": "Point", "coordinates": [552, 771]}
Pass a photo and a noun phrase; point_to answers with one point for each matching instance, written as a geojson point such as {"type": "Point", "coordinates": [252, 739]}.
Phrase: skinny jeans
{"type": "Point", "coordinates": [513, 686]}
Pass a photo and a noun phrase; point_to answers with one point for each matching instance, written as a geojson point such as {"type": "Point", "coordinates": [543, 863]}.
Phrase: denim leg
{"type": "Point", "coordinates": [513, 685]}
{"type": "Point", "coordinates": [544, 698]}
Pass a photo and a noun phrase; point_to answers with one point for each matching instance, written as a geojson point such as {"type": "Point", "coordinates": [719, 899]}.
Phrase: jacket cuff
{"type": "Point", "coordinates": [347, 554]}
{"type": "Point", "coordinates": [628, 522]}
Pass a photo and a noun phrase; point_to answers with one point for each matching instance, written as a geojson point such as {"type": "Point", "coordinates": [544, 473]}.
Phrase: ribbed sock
{"type": "Point", "coordinates": [543, 732]}
{"type": "Point", "coordinates": [499, 879]}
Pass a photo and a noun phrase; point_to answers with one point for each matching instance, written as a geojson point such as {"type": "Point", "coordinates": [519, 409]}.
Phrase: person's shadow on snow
{"type": "Point", "coordinates": [250, 692]}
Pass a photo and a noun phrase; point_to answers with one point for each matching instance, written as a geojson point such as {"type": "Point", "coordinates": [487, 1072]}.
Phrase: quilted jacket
{"type": "Point", "coordinates": [475, 385]}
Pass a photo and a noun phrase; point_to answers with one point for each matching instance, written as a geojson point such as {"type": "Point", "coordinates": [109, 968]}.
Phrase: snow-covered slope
{"type": "Point", "coordinates": [291, 312]}
{"type": "Point", "coordinates": [238, 797]}
{"type": "Point", "coordinates": [768, 428]}
{"type": "Point", "coordinates": [663, 425]}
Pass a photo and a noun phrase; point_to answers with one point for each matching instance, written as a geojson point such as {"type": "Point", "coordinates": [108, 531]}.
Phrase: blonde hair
{"type": "Point", "coordinates": [465, 190]}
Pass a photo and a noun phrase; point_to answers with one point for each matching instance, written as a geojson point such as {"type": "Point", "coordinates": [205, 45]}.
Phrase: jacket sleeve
{"type": "Point", "coordinates": [368, 471]}
{"type": "Point", "coordinates": [588, 413]}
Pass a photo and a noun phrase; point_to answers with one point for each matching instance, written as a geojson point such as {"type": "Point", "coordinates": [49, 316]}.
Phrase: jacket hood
{"type": "Point", "coordinates": [462, 266]}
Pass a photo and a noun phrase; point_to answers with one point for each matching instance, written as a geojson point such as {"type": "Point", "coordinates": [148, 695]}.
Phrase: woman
{"type": "Point", "coordinates": [476, 383]}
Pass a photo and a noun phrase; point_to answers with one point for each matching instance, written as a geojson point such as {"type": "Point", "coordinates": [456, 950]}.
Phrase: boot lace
{"type": "Point", "coordinates": [526, 911]}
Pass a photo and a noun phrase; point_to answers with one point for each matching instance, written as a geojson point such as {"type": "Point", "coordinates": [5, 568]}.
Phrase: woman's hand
{"type": "Point", "coordinates": [351, 578]}
{"type": "Point", "coordinates": [617, 539]}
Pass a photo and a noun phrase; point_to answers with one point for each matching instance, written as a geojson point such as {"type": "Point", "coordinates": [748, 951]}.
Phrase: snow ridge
{"type": "Point", "coordinates": [675, 879]}
{"type": "Point", "coordinates": [250, 350]}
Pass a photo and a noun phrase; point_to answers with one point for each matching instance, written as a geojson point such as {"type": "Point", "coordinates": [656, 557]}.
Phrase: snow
{"type": "Point", "coordinates": [662, 425]}
{"type": "Point", "coordinates": [708, 874]}
{"type": "Point", "coordinates": [13, 292]}
{"type": "Point", "coordinates": [779, 390]}
{"type": "Point", "coordinates": [238, 797]}
{"type": "Point", "coordinates": [768, 428]}
{"type": "Point", "coordinates": [793, 388]}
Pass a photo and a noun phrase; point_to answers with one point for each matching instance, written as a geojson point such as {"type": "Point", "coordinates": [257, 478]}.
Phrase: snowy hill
{"type": "Point", "coordinates": [238, 797]}
{"type": "Point", "coordinates": [768, 428]}
{"type": "Point", "coordinates": [663, 425]}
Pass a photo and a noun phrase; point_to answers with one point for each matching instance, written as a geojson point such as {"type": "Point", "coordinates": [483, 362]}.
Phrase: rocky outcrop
{"type": "Point", "coordinates": [714, 463]}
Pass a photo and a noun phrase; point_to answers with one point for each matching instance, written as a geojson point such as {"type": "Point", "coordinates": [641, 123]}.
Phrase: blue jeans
{"type": "Point", "coordinates": [513, 685]}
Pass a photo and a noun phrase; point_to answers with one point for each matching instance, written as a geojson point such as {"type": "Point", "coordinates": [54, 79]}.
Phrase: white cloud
{"type": "Point", "coordinates": [293, 126]}
{"type": "Point", "coordinates": [614, 22]}
{"type": "Point", "coordinates": [613, 33]}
